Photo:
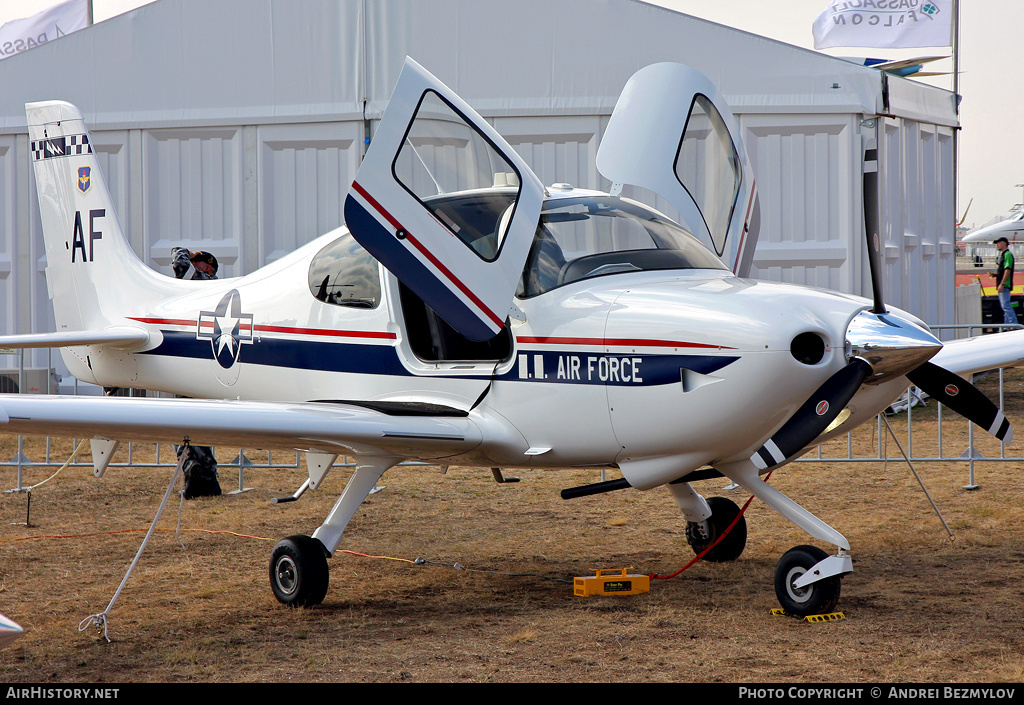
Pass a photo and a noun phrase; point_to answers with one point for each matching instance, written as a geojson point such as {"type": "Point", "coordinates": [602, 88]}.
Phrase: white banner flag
{"type": "Point", "coordinates": [886, 24]}
{"type": "Point", "coordinates": [19, 35]}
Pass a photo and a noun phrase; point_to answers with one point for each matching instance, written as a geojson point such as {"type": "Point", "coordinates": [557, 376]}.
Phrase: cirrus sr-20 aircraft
{"type": "Point", "coordinates": [468, 315]}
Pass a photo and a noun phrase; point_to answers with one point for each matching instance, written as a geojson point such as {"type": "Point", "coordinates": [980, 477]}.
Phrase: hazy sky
{"type": "Point", "coordinates": [991, 141]}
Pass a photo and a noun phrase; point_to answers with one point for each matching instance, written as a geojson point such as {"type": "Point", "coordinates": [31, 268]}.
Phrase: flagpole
{"type": "Point", "coordinates": [955, 54]}
{"type": "Point", "coordinates": [88, 17]}
{"type": "Point", "coordinates": [955, 48]}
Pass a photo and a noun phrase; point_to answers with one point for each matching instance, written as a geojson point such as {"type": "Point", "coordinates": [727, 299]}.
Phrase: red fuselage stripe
{"type": "Point", "coordinates": [624, 342]}
{"type": "Point", "coordinates": [376, 206]}
{"type": "Point", "coordinates": [280, 329]}
{"type": "Point", "coordinates": [164, 321]}
{"type": "Point", "coordinates": [426, 253]}
{"type": "Point", "coordinates": [324, 331]}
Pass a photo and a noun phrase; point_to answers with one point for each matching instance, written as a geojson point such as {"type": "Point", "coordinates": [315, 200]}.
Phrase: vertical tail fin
{"type": "Point", "coordinates": [91, 270]}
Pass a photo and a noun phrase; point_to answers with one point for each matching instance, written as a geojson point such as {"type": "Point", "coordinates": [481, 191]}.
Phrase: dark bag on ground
{"type": "Point", "coordinates": [200, 471]}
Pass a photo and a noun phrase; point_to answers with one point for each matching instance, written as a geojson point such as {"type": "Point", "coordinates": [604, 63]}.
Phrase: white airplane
{"type": "Point", "coordinates": [511, 325]}
{"type": "Point", "coordinates": [1011, 228]}
{"type": "Point", "coordinates": [900, 67]}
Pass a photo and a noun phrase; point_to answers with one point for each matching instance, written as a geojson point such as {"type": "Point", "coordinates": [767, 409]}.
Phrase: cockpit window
{"type": "Point", "coordinates": [443, 153]}
{"type": "Point", "coordinates": [586, 237]}
{"type": "Point", "coordinates": [344, 274]}
{"type": "Point", "coordinates": [708, 167]}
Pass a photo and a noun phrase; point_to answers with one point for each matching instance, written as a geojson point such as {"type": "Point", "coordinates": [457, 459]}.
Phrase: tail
{"type": "Point", "coordinates": [92, 273]}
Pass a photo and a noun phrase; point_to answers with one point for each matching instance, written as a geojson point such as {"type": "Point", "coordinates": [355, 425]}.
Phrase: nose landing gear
{"type": "Point", "coordinates": [701, 534]}
{"type": "Point", "coordinates": [803, 582]}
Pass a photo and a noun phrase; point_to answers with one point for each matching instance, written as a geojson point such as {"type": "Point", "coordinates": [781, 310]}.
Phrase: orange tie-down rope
{"type": "Point", "coordinates": [419, 561]}
{"type": "Point", "coordinates": [129, 531]}
{"type": "Point", "coordinates": [654, 576]}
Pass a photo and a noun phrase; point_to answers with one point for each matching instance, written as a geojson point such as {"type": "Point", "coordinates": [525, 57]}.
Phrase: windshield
{"type": "Point", "coordinates": [592, 236]}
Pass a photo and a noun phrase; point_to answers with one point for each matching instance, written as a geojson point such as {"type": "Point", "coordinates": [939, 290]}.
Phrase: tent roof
{"type": "Point", "coordinates": [177, 63]}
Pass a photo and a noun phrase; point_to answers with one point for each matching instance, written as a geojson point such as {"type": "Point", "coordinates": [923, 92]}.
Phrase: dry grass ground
{"type": "Point", "coordinates": [920, 607]}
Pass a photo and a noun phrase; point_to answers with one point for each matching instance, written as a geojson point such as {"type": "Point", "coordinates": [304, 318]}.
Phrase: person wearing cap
{"type": "Point", "coordinates": [203, 264]}
{"type": "Point", "coordinates": [1004, 278]}
{"type": "Point", "coordinates": [200, 466]}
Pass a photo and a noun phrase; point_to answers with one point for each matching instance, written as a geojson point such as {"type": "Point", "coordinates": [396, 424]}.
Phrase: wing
{"type": "Point", "coordinates": [985, 352]}
{"type": "Point", "coordinates": [316, 427]}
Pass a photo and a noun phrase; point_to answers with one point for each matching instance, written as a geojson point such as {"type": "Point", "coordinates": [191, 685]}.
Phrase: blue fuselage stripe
{"type": "Point", "coordinates": [300, 354]}
{"type": "Point", "coordinates": [558, 367]}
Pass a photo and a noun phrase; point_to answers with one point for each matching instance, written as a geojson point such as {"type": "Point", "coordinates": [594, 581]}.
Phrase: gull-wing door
{"type": "Point", "coordinates": [446, 204]}
{"type": "Point", "coordinates": [672, 133]}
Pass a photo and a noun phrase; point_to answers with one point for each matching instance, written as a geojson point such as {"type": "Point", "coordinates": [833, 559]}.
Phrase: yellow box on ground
{"type": "Point", "coordinates": [611, 582]}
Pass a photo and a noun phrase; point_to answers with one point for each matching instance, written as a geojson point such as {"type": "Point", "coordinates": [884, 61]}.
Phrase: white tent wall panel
{"type": "Point", "coordinates": [908, 238]}
{"type": "Point", "coordinates": [193, 193]}
{"type": "Point", "coordinates": [809, 198]}
{"type": "Point", "coordinates": [559, 149]}
{"type": "Point", "coordinates": [304, 172]}
{"type": "Point", "coordinates": [916, 186]}
{"type": "Point", "coordinates": [945, 256]}
{"type": "Point", "coordinates": [9, 231]}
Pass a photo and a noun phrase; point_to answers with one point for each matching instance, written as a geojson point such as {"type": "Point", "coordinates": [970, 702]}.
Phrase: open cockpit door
{"type": "Point", "coordinates": [446, 204]}
{"type": "Point", "coordinates": [672, 133]}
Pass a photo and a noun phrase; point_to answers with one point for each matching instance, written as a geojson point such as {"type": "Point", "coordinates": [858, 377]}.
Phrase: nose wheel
{"type": "Point", "coordinates": [819, 597]}
{"type": "Point", "coordinates": [298, 571]}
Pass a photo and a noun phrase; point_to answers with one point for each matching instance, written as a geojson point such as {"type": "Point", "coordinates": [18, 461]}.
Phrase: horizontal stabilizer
{"type": "Point", "coordinates": [124, 337]}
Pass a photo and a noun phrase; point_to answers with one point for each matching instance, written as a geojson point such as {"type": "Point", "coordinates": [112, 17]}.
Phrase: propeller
{"type": "Point", "coordinates": [962, 397]}
{"type": "Point", "coordinates": [871, 228]}
{"type": "Point", "coordinates": [814, 416]}
{"type": "Point", "coordinates": [881, 346]}
{"type": "Point", "coordinates": [949, 388]}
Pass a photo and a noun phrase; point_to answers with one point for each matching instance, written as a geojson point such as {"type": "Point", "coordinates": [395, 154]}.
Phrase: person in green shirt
{"type": "Point", "coordinates": [1004, 278]}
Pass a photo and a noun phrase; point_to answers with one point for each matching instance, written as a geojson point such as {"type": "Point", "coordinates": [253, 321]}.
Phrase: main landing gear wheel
{"type": "Point", "coordinates": [817, 598]}
{"type": "Point", "coordinates": [723, 511]}
{"type": "Point", "coordinates": [299, 572]}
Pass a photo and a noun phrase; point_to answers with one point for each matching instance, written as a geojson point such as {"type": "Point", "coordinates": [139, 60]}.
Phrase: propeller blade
{"type": "Point", "coordinates": [962, 397]}
{"type": "Point", "coordinates": [814, 416]}
{"type": "Point", "coordinates": [871, 221]}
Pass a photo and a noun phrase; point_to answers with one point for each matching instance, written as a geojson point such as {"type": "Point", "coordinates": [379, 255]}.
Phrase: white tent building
{"type": "Point", "coordinates": [236, 126]}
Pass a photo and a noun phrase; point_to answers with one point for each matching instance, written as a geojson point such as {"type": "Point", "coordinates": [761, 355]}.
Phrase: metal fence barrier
{"type": "Point", "coordinates": [936, 452]}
